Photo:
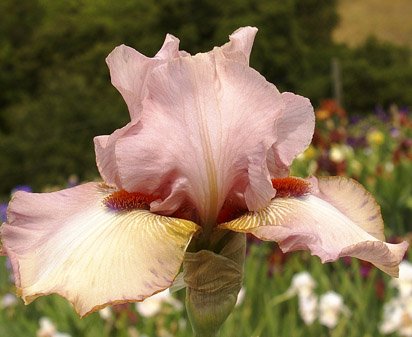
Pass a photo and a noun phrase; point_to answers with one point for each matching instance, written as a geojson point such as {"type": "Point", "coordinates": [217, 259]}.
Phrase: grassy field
{"type": "Point", "coordinates": [389, 20]}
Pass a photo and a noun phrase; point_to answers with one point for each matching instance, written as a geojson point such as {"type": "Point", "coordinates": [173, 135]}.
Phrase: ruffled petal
{"type": "Point", "coordinates": [294, 133]}
{"type": "Point", "coordinates": [129, 70]}
{"type": "Point", "coordinates": [104, 147]}
{"type": "Point", "coordinates": [240, 45]}
{"type": "Point", "coordinates": [70, 243]}
{"type": "Point", "coordinates": [338, 218]}
{"type": "Point", "coordinates": [208, 121]}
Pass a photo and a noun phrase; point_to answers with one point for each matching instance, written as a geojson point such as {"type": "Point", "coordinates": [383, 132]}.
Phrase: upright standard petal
{"type": "Point", "coordinates": [71, 243]}
{"type": "Point", "coordinates": [208, 121]}
{"type": "Point", "coordinates": [336, 218]}
{"type": "Point", "coordinates": [129, 70]}
{"type": "Point", "coordinates": [240, 44]}
{"type": "Point", "coordinates": [294, 133]}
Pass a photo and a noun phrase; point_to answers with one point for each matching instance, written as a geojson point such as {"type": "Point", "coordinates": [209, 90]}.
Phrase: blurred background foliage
{"type": "Point", "coordinates": [55, 91]}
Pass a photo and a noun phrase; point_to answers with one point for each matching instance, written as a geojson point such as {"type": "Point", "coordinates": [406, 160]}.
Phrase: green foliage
{"type": "Point", "coordinates": [376, 73]}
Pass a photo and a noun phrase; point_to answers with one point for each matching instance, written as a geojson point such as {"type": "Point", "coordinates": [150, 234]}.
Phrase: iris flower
{"type": "Point", "coordinates": [207, 151]}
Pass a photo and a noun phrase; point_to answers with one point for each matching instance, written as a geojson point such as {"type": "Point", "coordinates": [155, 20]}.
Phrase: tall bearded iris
{"type": "Point", "coordinates": [207, 152]}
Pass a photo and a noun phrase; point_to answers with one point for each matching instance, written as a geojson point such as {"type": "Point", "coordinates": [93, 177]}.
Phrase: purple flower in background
{"type": "Point", "coordinates": [3, 212]}
{"type": "Point", "coordinates": [395, 132]}
{"type": "Point", "coordinates": [25, 188]}
{"type": "Point", "coordinates": [354, 119]}
{"type": "Point", "coordinates": [356, 142]}
{"type": "Point", "coordinates": [382, 114]}
{"type": "Point", "coordinates": [73, 180]}
{"type": "Point", "coordinates": [10, 270]}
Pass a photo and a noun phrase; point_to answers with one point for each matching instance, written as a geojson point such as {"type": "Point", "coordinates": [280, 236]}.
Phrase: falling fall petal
{"type": "Point", "coordinates": [70, 243]}
{"type": "Point", "coordinates": [338, 217]}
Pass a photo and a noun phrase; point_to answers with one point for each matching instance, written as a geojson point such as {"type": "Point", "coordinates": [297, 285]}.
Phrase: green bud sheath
{"type": "Point", "coordinates": [213, 282]}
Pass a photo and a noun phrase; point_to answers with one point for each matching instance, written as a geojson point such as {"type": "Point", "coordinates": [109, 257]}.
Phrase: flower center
{"type": "Point", "coordinates": [229, 212]}
{"type": "Point", "coordinates": [127, 201]}
{"type": "Point", "coordinates": [290, 187]}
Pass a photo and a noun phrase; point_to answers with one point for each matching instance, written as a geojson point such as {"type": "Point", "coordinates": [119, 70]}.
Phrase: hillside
{"type": "Point", "coordinates": [387, 20]}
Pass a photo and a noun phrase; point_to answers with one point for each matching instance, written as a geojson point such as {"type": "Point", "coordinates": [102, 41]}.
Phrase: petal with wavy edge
{"type": "Point", "coordinates": [240, 44]}
{"type": "Point", "coordinates": [129, 70]}
{"type": "Point", "coordinates": [337, 219]}
{"type": "Point", "coordinates": [208, 121]}
{"type": "Point", "coordinates": [104, 147]}
{"type": "Point", "coordinates": [294, 133]}
{"type": "Point", "coordinates": [70, 243]}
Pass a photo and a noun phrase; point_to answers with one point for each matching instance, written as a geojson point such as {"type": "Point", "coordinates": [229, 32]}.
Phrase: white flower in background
{"type": "Point", "coordinates": [106, 313]}
{"type": "Point", "coordinates": [392, 316]}
{"type": "Point", "coordinates": [240, 296]}
{"type": "Point", "coordinates": [48, 329]}
{"type": "Point", "coordinates": [397, 313]}
{"type": "Point", "coordinates": [339, 152]}
{"type": "Point", "coordinates": [308, 306]}
{"type": "Point", "coordinates": [404, 282]}
{"type": "Point", "coordinates": [330, 308]}
{"type": "Point", "coordinates": [152, 305]}
{"type": "Point", "coordinates": [389, 166]}
{"type": "Point", "coordinates": [8, 300]}
{"type": "Point", "coordinates": [302, 284]}
{"type": "Point", "coordinates": [397, 317]}
{"type": "Point", "coordinates": [327, 309]}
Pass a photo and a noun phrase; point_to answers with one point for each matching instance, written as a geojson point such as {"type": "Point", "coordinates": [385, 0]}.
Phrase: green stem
{"type": "Point", "coordinates": [213, 280]}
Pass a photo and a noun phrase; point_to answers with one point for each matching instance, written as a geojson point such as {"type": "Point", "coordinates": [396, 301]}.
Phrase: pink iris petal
{"type": "Point", "coordinates": [208, 126]}
{"type": "Point", "coordinates": [294, 133]}
{"type": "Point", "coordinates": [70, 243]}
{"type": "Point", "coordinates": [208, 121]}
{"type": "Point", "coordinates": [105, 154]}
{"type": "Point", "coordinates": [338, 218]}
{"type": "Point", "coordinates": [240, 45]}
{"type": "Point", "coordinates": [129, 71]}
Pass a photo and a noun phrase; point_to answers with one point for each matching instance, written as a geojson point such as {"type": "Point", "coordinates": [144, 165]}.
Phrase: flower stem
{"type": "Point", "coordinates": [213, 280]}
